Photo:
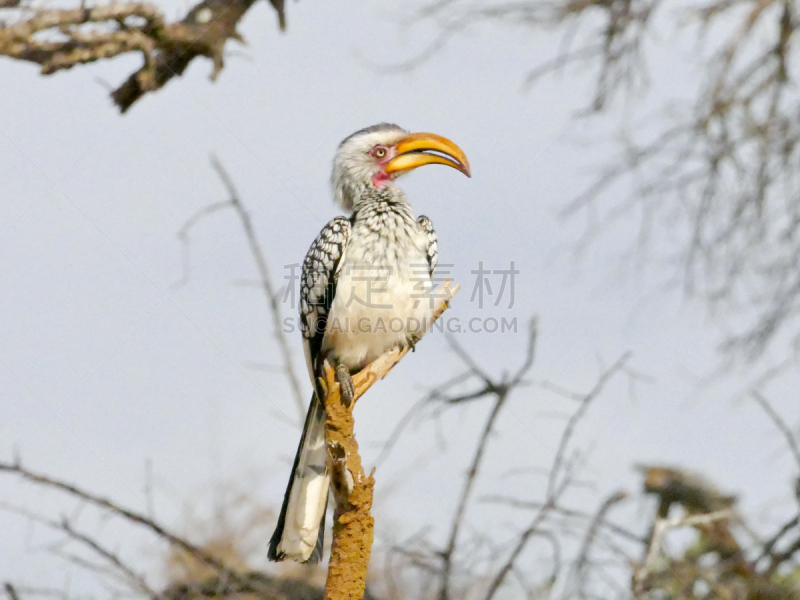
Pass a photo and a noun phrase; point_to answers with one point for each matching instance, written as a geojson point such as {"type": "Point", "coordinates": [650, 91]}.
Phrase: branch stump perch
{"type": "Point", "coordinates": [353, 526]}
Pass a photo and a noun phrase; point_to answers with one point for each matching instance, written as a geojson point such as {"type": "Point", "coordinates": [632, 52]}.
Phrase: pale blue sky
{"type": "Point", "coordinates": [108, 360]}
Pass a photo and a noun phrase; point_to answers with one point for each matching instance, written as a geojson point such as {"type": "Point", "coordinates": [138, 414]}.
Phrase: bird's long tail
{"type": "Point", "coordinates": [300, 532]}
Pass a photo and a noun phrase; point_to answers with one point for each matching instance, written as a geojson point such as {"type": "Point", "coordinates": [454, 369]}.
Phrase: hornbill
{"type": "Point", "coordinates": [364, 290]}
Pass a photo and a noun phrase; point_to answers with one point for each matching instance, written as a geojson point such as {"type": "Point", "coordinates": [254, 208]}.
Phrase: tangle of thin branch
{"type": "Point", "coordinates": [718, 171]}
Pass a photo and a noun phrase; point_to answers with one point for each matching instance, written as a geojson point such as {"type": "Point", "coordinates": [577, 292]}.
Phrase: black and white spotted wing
{"type": "Point", "coordinates": [318, 285]}
{"type": "Point", "coordinates": [432, 252]}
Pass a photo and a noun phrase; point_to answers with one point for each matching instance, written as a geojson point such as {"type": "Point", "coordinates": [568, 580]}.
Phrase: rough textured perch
{"type": "Point", "coordinates": [352, 488]}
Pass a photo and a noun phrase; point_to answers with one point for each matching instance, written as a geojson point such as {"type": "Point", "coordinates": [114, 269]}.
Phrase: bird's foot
{"type": "Point", "coordinates": [346, 388]}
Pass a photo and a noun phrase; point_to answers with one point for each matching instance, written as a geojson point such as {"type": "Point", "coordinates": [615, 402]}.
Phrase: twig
{"type": "Point", "coordinates": [127, 514]}
{"type": "Point", "coordinates": [12, 593]}
{"type": "Point", "coordinates": [110, 557]}
{"type": "Point", "coordinates": [779, 559]}
{"type": "Point", "coordinates": [253, 584]}
{"type": "Point", "coordinates": [780, 424]}
{"type": "Point", "coordinates": [770, 544]}
{"type": "Point", "coordinates": [567, 512]}
{"type": "Point", "coordinates": [555, 487]}
{"type": "Point", "coordinates": [594, 527]}
{"type": "Point", "coordinates": [501, 391]}
{"type": "Point", "coordinates": [576, 417]}
{"type": "Point", "coordinates": [23, 591]}
{"type": "Point", "coordinates": [402, 423]}
{"type": "Point", "coordinates": [522, 541]}
{"type": "Point", "coordinates": [447, 554]}
{"type": "Point", "coordinates": [266, 281]}
{"type": "Point", "coordinates": [724, 158]}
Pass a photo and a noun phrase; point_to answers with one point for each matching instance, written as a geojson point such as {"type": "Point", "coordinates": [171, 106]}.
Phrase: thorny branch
{"type": "Point", "coordinates": [271, 294]}
{"type": "Point", "coordinates": [59, 39]}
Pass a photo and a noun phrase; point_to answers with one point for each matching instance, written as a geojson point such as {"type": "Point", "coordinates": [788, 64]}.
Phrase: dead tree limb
{"type": "Point", "coordinates": [352, 488]}
{"type": "Point", "coordinates": [58, 39]}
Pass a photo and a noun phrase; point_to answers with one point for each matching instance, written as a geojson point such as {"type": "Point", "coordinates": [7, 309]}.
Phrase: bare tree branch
{"type": "Point", "coordinates": [575, 419]}
{"type": "Point", "coordinates": [717, 169]}
{"type": "Point", "coordinates": [272, 296]}
{"type": "Point", "coordinates": [770, 544]}
{"type": "Point", "coordinates": [265, 280]}
{"type": "Point", "coordinates": [791, 440]}
{"type": "Point", "coordinates": [60, 39]}
{"type": "Point", "coordinates": [522, 540]}
{"type": "Point", "coordinates": [591, 534]}
{"type": "Point", "coordinates": [613, 45]}
{"type": "Point", "coordinates": [102, 503]}
{"type": "Point", "coordinates": [501, 391]}
{"type": "Point", "coordinates": [12, 593]}
{"type": "Point", "coordinates": [559, 477]}
{"type": "Point", "coordinates": [570, 512]}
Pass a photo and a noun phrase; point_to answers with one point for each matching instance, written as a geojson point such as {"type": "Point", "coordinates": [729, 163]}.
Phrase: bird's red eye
{"type": "Point", "coordinates": [379, 152]}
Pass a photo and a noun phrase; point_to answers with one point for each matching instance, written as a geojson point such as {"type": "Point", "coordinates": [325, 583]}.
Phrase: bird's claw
{"type": "Point", "coordinates": [346, 388]}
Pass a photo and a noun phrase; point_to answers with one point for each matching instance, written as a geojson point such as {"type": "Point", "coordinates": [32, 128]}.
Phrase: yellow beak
{"type": "Point", "coordinates": [413, 151]}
